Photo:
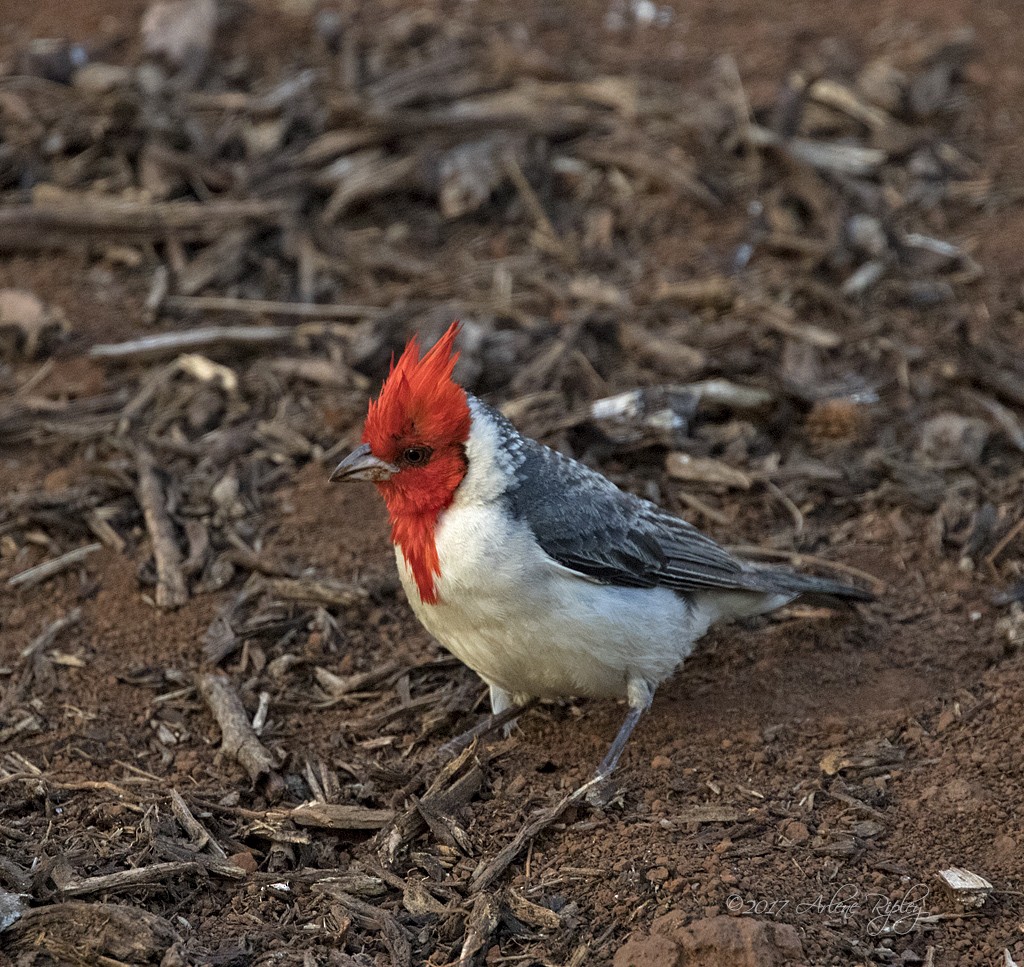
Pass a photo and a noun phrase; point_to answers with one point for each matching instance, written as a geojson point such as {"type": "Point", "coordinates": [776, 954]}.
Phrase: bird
{"type": "Point", "coordinates": [536, 571]}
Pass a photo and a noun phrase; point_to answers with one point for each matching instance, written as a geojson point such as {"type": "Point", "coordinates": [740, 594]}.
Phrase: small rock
{"type": "Point", "coordinates": [11, 909]}
{"type": "Point", "coordinates": [657, 874]}
{"type": "Point", "coordinates": [796, 832]}
{"type": "Point", "coordinates": [244, 861]}
{"type": "Point", "coordinates": [950, 440]}
{"type": "Point", "coordinates": [661, 762]}
{"type": "Point", "coordinates": [736, 941]}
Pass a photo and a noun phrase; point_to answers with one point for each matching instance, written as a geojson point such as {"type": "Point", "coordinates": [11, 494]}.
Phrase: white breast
{"type": "Point", "coordinates": [528, 625]}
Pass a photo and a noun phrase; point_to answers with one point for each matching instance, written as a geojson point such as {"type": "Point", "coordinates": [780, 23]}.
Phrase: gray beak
{"type": "Point", "coordinates": [360, 464]}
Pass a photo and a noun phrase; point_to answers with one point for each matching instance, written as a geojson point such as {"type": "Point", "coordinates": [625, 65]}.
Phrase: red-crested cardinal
{"type": "Point", "coordinates": [539, 573]}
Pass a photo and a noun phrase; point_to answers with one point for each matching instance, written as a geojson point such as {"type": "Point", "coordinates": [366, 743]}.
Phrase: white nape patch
{"type": "Point", "coordinates": [489, 467]}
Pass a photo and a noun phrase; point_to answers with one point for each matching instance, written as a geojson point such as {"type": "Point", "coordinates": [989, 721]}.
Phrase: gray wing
{"type": "Point", "coordinates": [585, 523]}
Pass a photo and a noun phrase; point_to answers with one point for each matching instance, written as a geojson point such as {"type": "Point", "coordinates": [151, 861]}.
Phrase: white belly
{"type": "Point", "coordinates": [533, 628]}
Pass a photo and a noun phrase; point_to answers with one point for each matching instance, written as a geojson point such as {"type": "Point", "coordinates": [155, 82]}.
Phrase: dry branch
{"type": "Point", "coordinates": [69, 221]}
{"type": "Point", "coordinates": [269, 307]}
{"type": "Point", "coordinates": [198, 833]}
{"type": "Point", "coordinates": [487, 874]}
{"type": "Point", "coordinates": [171, 589]}
{"type": "Point", "coordinates": [124, 879]}
{"type": "Point", "coordinates": [174, 343]}
{"type": "Point", "coordinates": [238, 739]}
{"type": "Point", "coordinates": [48, 569]}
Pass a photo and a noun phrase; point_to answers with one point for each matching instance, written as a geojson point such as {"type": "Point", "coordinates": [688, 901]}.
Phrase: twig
{"type": "Point", "coordinates": [486, 875]}
{"type": "Point", "coordinates": [173, 343]}
{"type": "Point", "coordinates": [1004, 542]}
{"type": "Point", "coordinates": [319, 591]}
{"type": "Point", "coordinates": [270, 307]}
{"type": "Point", "coordinates": [485, 727]}
{"type": "Point", "coordinates": [171, 589]}
{"type": "Point", "coordinates": [65, 224]}
{"type": "Point", "coordinates": [156, 873]}
{"type": "Point", "coordinates": [50, 633]}
{"type": "Point", "coordinates": [238, 739]}
{"type": "Point", "coordinates": [480, 924]}
{"type": "Point", "coordinates": [48, 569]}
{"type": "Point", "coordinates": [440, 797]}
{"type": "Point", "coordinates": [394, 936]}
{"type": "Point", "coordinates": [535, 208]}
{"type": "Point", "coordinates": [197, 832]}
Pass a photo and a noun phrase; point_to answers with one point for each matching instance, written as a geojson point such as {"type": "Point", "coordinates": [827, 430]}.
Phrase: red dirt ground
{"type": "Point", "coordinates": [923, 685]}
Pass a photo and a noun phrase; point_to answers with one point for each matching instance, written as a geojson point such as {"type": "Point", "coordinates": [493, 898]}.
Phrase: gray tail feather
{"type": "Point", "coordinates": [785, 581]}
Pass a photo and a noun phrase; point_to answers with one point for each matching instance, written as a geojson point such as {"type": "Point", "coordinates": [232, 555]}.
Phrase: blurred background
{"type": "Point", "coordinates": [759, 262]}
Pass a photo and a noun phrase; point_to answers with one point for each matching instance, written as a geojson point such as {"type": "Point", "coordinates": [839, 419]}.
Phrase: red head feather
{"type": "Point", "coordinates": [420, 406]}
{"type": "Point", "coordinates": [419, 401]}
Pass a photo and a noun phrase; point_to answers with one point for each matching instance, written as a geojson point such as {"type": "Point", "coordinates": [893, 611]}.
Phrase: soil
{"type": "Point", "coordinates": [853, 754]}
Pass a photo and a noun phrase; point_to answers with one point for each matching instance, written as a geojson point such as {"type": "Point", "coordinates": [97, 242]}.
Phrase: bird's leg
{"type": "Point", "coordinates": [639, 694]}
{"type": "Point", "coordinates": [501, 701]}
{"type": "Point", "coordinates": [611, 760]}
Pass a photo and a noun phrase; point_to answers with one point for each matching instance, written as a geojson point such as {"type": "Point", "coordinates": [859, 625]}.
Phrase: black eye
{"type": "Point", "coordinates": [416, 455]}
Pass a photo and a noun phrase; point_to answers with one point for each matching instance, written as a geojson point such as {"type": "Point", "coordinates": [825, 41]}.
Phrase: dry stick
{"type": "Point", "coordinates": [536, 209]}
{"type": "Point", "coordinates": [990, 560]}
{"type": "Point", "coordinates": [393, 933]}
{"type": "Point", "coordinates": [156, 873]}
{"type": "Point", "coordinates": [171, 589]}
{"type": "Point", "coordinates": [323, 815]}
{"type": "Point", "coordinates": [486, 726]}
{"type": "Point", "coordinates": [48, 569]}
{"type": "Point", "coordinates": [66, 223]}
{"type": "Point", "coordinates": [238, 739]}
{"type": "Point", "coordinates": [49, 634]}
{"type": "Point", "coordinates": [257, 307]}
{"type": "Point", "coordinates": [485, 876]}
{"type": "Point", "coordinates": [198, 833]}
{"type": "Point", "coordinates": [173, 343]}
{"type": "Point", "coordinates": [453, 750]}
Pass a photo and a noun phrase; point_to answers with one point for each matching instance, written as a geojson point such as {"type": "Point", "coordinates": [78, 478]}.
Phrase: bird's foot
{"type": "Point", "coordinates": [511, 728]}
{"type": "Point", "coordinates": [600, 792]}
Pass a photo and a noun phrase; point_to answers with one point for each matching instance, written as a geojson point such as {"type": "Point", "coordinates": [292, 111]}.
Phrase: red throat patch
{"type": "Point", "coordinates": [420, 407]}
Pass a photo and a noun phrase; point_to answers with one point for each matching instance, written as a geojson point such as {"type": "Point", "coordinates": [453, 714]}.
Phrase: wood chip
{"type": "Point", "coordinates": [967, 888]}
{"type": "Point", "coordinates": [480, 925]}
{"type": "Point", "coordinates": [238, 739]}
{"type": "Point", "coordinates": [322, 815]}
{"type": "Point", "coordinates": [171, 589]}
{"type": "Point", "coordinates": [327, 591]}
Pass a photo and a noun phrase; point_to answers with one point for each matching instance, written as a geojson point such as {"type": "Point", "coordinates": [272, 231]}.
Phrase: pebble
{"type": "Point", "coordinates": [796, 832]}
